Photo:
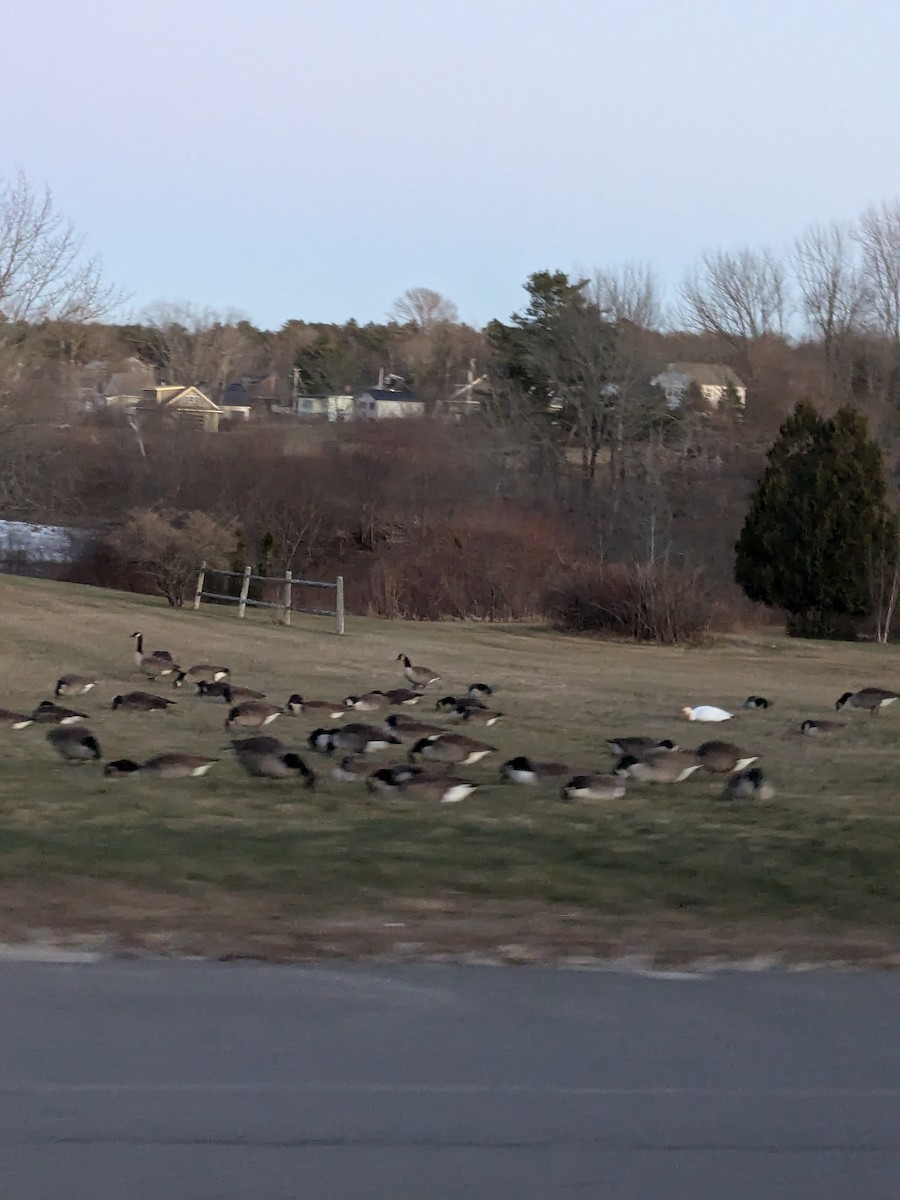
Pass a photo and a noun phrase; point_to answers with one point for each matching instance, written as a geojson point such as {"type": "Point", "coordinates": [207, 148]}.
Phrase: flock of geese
{"type": "Point", "coordinates": [435, 748]}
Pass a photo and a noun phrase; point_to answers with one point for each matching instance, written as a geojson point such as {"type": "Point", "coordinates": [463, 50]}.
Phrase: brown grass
{"type": "Point", "coordinates": [229, 865]}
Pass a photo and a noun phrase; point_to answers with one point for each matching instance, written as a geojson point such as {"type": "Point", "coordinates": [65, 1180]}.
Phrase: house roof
{"type": "Point", "coordinates": [377, 393]}
{"type": "Point", "coordinates": [175, 397]}
{"type": "Point", "coordinates": [707, 374]}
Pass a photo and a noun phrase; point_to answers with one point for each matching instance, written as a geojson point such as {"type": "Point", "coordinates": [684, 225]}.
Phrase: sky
{"type": "Point", "coordinates": [313, 159]}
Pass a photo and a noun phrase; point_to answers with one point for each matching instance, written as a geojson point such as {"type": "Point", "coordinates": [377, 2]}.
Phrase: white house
{"type": "Point", "coordinates": [383, 403]}
{"type": "Point", "coordinates": [333, 408]}
{"type": "Point", "coordinates": [713, 379]}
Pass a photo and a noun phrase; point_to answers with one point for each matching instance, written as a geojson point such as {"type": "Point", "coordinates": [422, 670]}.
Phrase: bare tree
{"type": "Point", "coordinates": [201, 346]}
{"type": "Point", "coordinates": [833, 290]}
{"type": "Point", "coordinates": [423, 308]}
{"type": "Point", "coordinates": [879, 238]}
{"type": "Point", "coordinates": [740, 297]}
{"type": "Point", "coordinates": [630, 293]}
{"type": "Point", "coordinates": [44, 273]}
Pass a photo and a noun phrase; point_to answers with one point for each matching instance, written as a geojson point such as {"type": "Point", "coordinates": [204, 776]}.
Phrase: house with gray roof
{"type": "Point", "coordinates": [714, 381]}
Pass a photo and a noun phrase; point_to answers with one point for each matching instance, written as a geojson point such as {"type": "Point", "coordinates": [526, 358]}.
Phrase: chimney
{"type": "Point", "coordinates": [381, 377]}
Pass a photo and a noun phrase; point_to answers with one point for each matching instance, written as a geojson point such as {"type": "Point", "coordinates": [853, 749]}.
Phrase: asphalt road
{"type": "Point", "coordinates": [192, 1081]}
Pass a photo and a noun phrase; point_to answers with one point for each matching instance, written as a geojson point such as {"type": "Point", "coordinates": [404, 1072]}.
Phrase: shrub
{"type": "Point", "coordinates": [169, 547]}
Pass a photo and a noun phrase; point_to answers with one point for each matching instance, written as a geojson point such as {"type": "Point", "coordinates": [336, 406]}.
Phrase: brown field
{"type": "Point", "coordinates": [234, 866]}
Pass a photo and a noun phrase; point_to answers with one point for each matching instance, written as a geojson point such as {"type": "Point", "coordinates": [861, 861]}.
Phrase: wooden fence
{"type": "Point", "coordinates": [286, 604]}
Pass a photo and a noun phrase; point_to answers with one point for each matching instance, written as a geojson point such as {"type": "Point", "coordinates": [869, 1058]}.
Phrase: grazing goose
{"type": "Point", "coordinates": [639, 746]}
{"type": "Point", "coordinates": [401, 723]}
{"type": "Point", "coordinates": [757, 702]}
{"type": "Point", "coordinates": [452, 748]}
{"type": "Point", "coordinates": [166, 766]}
{"type": "Point", "coordinates": [369, 702]}
{"type": "Point", "coordinates": [267, 758]}
{"type": "Point", "coordinates": [665, 766]}
{"type": "Point", "coordinates": [48, 713]}
{"type": "Point", "coordinates": [479, 691]}
{"type": "Point", "coordinates": [236, 695]}
{"type": "Point", "coordinates": [403, 696]}
{"type": "Point", "coordinates": [748, 785]}
{"type": "Point", "coordinates": [449, 702]}
{"type": "Point", "coordinates": [75, 685]}
{"type": "Point", "coordinates": [466, 714]}
{"type": "Point", "coordinates": [872, 699]}
{"type": "Point", "coordinates": [202, 673]}
{"type": "Point", "coordinates": [347, 771]}
{"type": "Point", "coordinates": [141, 702]}
{"type": "Point", "coordinates": [594, 787]}
{"type": "Point", "coordinates": [724, 758]}
{"type": "Point", "coordinates": [419, 677]}
{"type": "Point", "coordinates": [444, 789]}
{"type": "Point", "coordinates": [154, 664]}
{"type": "Point", "coordinates": [532, 771]}
{"type": "Point", "coordinates": [352, 739]}
{"type": "Point", "coordinates": [252, 714]}
{"type": "Point", "coordinates": [820, 728]}
{"type": "Point", "coordinates": [75, 745]}
{"type": "Point", "coordinates": [707, 712]}
{"type": "Point", "coordinates": [297, 706]}
{"type": "Point", "coordinates": [14, 720]}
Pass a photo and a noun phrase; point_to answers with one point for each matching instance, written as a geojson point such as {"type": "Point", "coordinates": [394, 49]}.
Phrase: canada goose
{"type": "Point", "coordinates": [368, 702]}
{"type": "Point", "coordinates": [252, 714]}
{"type": "Point", "coordinates": [202, 673]}
{"type": "Point", "coordinates": [347, 770]}
{"type": "Point", "coordinates": [166, 766]}
{"type": "Point", "coordinates": [353, 738]}
{"type": "Point", "coordinates": [479, 691]}
{"type": "Point", "coordinates": [639, 746]}
{"type": "Point", "coordinates": [449, 789]}
{"type": "Point", "coordinates": [532, 771]}
{"type": "Point", "coordinates": [390, 779]}
{"type": "Point", "coordinates": [266, 758]}
{"type": "Point", "coordinates": [449, 702]}
{"type": "Point", "coordinates": [48, 713]}
{"type": "Point", "coordinates": [724, 757]}
{"type": "Point", "coordinates": [297, 706]}
{"type": "Point", "coordinates": [419, 677]}
{"type": "Point", "coordinates": [594, 787]}
{"type": "Point", "coordinates": [403, 696]}
{"type": "Point", "coordinates": [706, 712]}
{"type": "Point", "coordinates": [223, 690]}
{"type": "Point", "coordinates": [820, 728]}
{"type": "Point", "coordinates": [155, 664]}
{"type": "Point", "coordinates": [665, 766]}
{"type": "Point", "coordinates": [872, 699]}
{"type": "Point", "coordinates": [75, 745]}
{"type": "Point", "coordinates": [451, 747]}
{"type": "Point", "coordinates": [748, 785]}
{"type": "Point", "coordinates": [75, 685]}
{"type": "Point", "coordinates": [401, 723]}
{"type": "Point", "coordinates": [14, 720]}
{"type": "Point", "coordinates": [757, 702]}
{"type": "Point", "coordinates": [141, 702]}
{"type": "Point", "coordinates": [466, 714]}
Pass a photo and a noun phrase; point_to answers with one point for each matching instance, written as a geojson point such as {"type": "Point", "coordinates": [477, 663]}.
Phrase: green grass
{"type": "Point", "coordinates": [235, 865]}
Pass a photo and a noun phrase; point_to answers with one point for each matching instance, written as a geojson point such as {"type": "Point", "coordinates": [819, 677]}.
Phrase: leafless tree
{"type": "Point", "coordinates": [201, 346]}
{"type": "Point", "coordinates": [423, 308]}
{"type": "Point", "coordinates": [879, 238]}
{"type": "Point", "coordinates": [833, 289]}
{"type": "Point", "coordinates": [740, 297]}
{"type": "Point", "coordinates": [630, 293]}
{"type": "Point", "coordinates": [44, 272]}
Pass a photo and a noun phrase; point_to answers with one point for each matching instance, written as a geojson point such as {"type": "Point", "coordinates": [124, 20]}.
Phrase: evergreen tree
{"type": "Point", "coordinates": [816, 524]}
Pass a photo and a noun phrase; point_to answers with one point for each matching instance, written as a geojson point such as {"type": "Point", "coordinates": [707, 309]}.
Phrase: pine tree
{"type": "Point", "coordinates": [816, 524]}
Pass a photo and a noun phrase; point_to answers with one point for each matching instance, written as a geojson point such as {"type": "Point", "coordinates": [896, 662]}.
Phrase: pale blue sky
{"type": "Point", "coordinates": [315, 158]}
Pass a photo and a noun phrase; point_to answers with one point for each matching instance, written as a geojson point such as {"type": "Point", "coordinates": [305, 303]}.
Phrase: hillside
{"type": "Point", "coordinates": [231, 865]}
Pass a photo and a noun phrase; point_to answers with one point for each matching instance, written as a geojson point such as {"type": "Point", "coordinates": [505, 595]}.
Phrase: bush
{"type": "Point", "coordinates": [169, 547]}
{"type": "Point", "coordinates": [664, 604]}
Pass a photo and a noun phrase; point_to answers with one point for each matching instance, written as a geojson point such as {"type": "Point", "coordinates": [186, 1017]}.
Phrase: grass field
{"type": "Point", "coordinates": [230, 865]}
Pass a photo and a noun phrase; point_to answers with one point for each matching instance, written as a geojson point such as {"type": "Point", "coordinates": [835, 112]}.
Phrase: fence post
{"type": "Point", "coordinates": [339, 605]}
{"type": "Point", "coordinates": [201, 579]}
{"type": "Point", "coordinates": [288, 596]}
{"type": "Point", "coordinates": [245, 588]}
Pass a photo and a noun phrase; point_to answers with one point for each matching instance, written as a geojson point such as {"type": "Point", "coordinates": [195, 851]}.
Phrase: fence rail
{"type": "Point", "coordinates": [286, 604]}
